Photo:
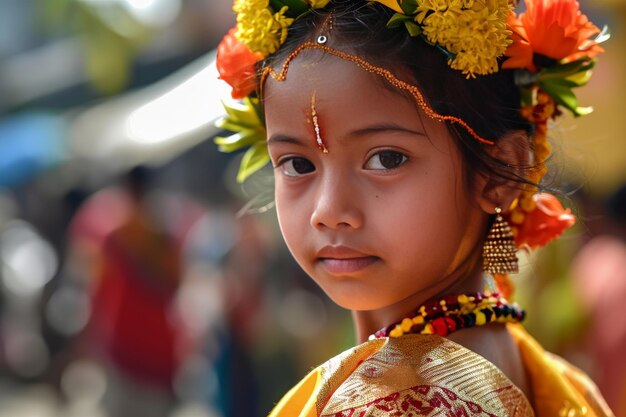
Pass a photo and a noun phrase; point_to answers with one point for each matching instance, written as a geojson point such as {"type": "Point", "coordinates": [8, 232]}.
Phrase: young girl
{"type": "Point", "coordinates": [408, 140]}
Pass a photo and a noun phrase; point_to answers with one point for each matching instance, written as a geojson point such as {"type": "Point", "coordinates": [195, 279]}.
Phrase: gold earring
{"type": "Point", "coordinates": [499, 250]}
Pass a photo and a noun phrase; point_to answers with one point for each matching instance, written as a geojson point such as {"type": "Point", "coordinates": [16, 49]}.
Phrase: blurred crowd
{"type": "Point", "coordinates": [137, 280]}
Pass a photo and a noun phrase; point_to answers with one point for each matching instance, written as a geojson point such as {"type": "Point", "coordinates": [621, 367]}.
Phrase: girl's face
{"type": "Point", "coordinates": [384, 216]}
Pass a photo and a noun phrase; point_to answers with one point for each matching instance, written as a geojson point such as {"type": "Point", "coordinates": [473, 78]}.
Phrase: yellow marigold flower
{"type": "Point", "coordinates": [473, 30]}
{"type": "Point", "coordinates": [258, 28]}
{"type": "Point", "coordinates": [427, 6]}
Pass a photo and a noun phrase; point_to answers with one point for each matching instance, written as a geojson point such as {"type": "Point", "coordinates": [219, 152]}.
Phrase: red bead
{"type": "Point", "coordinates": [440, 327]}
{"type": "Point", "coordinates": [450, 324]}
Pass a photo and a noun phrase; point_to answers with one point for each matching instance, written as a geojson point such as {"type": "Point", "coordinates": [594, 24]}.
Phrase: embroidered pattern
{"type": "Point", "coordinates": [421, 400]}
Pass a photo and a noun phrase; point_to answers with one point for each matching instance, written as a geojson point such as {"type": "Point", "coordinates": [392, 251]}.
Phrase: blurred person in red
{"type": "Point", "coordinates": [599, 270]}
{"type": "Point", "coordinates": [132, 328]}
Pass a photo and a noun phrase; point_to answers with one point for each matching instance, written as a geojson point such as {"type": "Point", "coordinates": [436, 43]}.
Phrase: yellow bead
{"type": "Point", "coordinates": [406, 325]}
{"type": "Point", "coordinates": [396, 332]}
{"type": "Point", "coordinates": [480, 318]}
{"type": "Point", "coordinates": [463, 299]}
{"type": "Point", "coordinates": [418, 320]}
{"type": "Point", "coordinates": [428, 329]}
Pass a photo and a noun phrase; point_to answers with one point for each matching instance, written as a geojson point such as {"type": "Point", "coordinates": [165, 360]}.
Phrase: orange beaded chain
{"type": "Point", "coordinates": [385, 73]}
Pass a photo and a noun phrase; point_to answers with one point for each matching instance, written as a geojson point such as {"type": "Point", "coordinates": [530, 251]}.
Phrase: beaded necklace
{"type": "Point", "coordinates": [455, 312]}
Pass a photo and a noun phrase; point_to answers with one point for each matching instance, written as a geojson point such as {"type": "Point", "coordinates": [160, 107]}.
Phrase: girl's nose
{"type": "Point", "coordinates": [337, 204]}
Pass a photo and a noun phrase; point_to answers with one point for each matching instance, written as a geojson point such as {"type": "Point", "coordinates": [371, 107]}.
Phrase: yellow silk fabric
{"type": "Point", "coordinates": [558, 388]}
{"type": "Point", "coordinates": [432, 376]}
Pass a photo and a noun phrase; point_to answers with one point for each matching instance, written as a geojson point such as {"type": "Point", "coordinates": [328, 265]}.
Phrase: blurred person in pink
{"type": "Point", "coordinates": [599, 270]}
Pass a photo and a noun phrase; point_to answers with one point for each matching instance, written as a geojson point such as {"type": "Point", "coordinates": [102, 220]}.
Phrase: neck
{"type": "Point", "coordinates": [463, 280]}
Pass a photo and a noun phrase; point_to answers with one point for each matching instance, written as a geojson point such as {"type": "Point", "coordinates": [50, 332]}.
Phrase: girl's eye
{"type": "Point", "coordinates": [385, 160]}
{"type": "Point", "coordinates": [294, 167]}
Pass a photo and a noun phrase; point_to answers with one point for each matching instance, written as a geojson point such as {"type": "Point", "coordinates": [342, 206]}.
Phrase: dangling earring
{"type": "Point", "coordinates": [499, 250]}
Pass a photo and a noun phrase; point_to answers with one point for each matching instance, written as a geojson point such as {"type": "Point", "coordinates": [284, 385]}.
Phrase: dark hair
{"type": "Point", "coordinates": [489, 104]}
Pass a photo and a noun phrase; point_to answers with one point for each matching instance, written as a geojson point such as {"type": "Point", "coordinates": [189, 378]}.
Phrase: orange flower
{"type": "Point", "coordinates": [552, 28]}
{"type": "Point", "coordinates": [546, 222]}
{"type": "Point", "coordinates": [236, 65]}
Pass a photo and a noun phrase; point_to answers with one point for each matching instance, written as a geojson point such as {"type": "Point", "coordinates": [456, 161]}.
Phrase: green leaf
{"type": "Point", "coordinates": [413, 28]}
{"type": "Point", "coordinates": [253, 160]}
{"type": "Point", "coordinates": [240, 119]}
{"type": "Point", "coordinates": [243, 113]}
{"type": "Point", "coordinates": [561, 92]}
{"type": "Point", "coordinates": [398, 20]}
{"type": "Point", "coordinates": [296, 7]}
{"type": "Point", "coordinates": [408, 6]}
{"type": "Point", "coordinates": [573, 74]}
{"type": "Point", "coordinates": [245, 119]}
{"type": "Point", "coordinates": [231, 125]}
{"type": "Point", "coordinates": [580, 78]}
{"type": "Point", "coordinates": [276, 5]}
{"type": "Point", "coordinates": [564, 70]}
{"type": "Point", "coordinates": [238, 141]}
{"type": "Point", "coordinates": [563, 82]}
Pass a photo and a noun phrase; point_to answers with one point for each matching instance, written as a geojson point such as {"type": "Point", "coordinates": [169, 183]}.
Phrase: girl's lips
{"type": "Point", "coordinates": [346, 265]}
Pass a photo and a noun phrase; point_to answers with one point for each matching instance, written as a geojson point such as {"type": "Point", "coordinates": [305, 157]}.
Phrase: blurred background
{"type": "Point", "coordinates": [129, 284]}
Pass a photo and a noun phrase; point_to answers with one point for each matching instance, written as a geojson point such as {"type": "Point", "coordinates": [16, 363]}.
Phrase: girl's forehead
{"type": "Point", "coordinates": [340, 87]}
{"type": "Point", "coordinates": [322, 73]}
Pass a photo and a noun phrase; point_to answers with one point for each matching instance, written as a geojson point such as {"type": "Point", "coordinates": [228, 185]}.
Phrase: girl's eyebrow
{"type": "Point", "coordinates": [280, 138]}
{"type": "Point", "coordinates": [384, 127]}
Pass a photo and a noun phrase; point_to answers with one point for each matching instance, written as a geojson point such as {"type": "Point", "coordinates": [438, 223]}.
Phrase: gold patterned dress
{"type": "Point", "coordinates": [427, 375]}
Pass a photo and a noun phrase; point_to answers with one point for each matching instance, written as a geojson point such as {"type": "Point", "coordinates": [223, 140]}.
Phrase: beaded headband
{"type": "Point", "coordinates": [551, 47]}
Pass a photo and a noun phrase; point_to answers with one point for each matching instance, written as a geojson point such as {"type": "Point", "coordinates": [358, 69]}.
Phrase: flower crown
{"type": "Point", "coordinates": [551, 46]}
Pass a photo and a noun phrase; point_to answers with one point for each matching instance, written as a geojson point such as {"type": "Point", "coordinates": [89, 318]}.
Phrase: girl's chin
{"type": "Point", "coordinates": [357, 297]}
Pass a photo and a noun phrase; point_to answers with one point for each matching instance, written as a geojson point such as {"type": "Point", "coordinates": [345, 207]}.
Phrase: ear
{"type": "Point", "coordinates": [512, 149]}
